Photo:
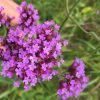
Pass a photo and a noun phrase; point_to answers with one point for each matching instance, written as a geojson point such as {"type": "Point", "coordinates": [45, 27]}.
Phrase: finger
{"type": "Point", "coordinates": [10, 10]}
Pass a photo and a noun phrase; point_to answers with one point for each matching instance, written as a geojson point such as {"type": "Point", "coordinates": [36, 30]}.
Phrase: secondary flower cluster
{"type": "Point", "coordinates": [75, 82]}
{"type": "Point", "coordinates": [31, 51]}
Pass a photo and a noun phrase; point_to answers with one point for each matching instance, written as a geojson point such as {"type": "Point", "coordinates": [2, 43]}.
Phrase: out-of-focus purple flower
{"type": "Point", "coordinates": [26, 87]}
{"type": "Point", "coordinates": [16, 84]}
{"type": "Point", "coordinates": [65, 42]}
{"type": "Point", "coordinates": [75, 82]}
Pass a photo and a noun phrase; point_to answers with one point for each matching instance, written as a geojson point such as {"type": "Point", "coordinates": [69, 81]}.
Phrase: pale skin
{"type": "Point", "coordinates": [10, 9]}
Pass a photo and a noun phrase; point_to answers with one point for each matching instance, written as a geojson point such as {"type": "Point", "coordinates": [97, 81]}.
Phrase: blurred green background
{"type": "Point", "coordinates": [80, 24]}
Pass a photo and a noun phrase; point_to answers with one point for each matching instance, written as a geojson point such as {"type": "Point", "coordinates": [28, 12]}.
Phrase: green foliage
{"type": "Point", "coordinates": [80, 22]}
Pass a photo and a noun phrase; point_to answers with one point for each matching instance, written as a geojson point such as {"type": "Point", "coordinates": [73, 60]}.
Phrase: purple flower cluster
{"type": "Point", "coordinates": [75, 82]}
{"type": "Point", "coordinates": [28, 15]}
{"type": "Point", "coordinates": [31, 51]}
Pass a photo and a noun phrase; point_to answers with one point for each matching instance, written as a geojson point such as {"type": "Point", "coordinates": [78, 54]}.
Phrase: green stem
{"type": "Point", "coordinates": [49, 98]}
{"type": "Point", "coordinates": [73, 19]}
{"type": "Point", "coordinates": [69, 14]}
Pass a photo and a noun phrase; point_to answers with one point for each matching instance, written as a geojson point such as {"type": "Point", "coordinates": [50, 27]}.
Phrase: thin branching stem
{"type": "Point", "coordinates": [73, 19]}
{"type": "Point", "coordinates": [67, 17]}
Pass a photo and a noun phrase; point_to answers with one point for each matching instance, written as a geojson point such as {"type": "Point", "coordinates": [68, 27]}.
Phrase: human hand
{"type": "Point", "coordinates": [10, 9]}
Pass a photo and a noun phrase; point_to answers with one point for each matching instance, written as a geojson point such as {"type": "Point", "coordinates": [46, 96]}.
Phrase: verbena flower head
{"type": "Point", "coordinates": [75, 82]}
{"type": "Point", "coordinates": [32, 54]}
